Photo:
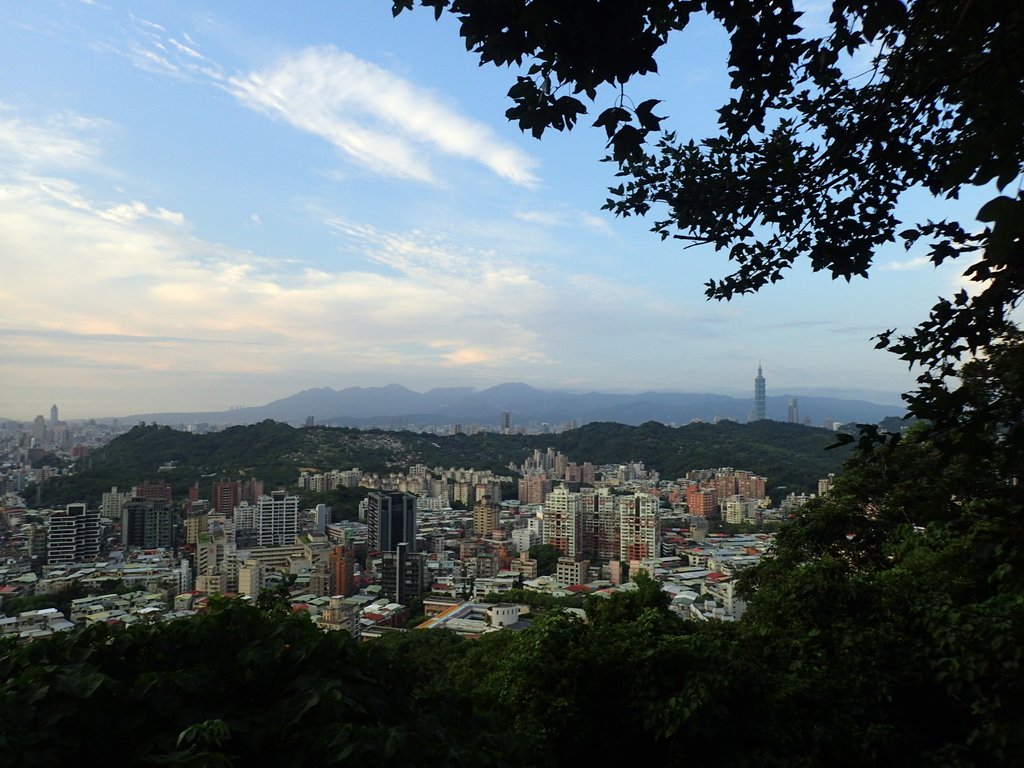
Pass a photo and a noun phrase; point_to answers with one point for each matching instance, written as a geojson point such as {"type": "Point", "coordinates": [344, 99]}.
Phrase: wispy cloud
{"type": "Point", "coordinates": [136, 210]}
{"type": "Point", "coordinates": [544, 218]}
{"type": "Point", "coordinates": [182, 48]}
{"type": "Point", "coordinates": [376, 118]}
{"type": "Point", "coordinates": [113, 338]}
{"type": "Point", "coordinates": [154, 50]}
{"type": "Point", "coordinates": [59, 141]}
{"type": "Point", "coordinates": [565, 217]}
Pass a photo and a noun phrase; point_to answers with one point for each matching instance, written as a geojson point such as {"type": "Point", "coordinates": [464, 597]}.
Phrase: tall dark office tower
{"type": "Point", "coordinates": [760, 410]}
{"type": "Point", "coordinates": [390, 521]}
{"type": "Point", "coordinates": [147, 524]}
{"type": "Point", "coordinates": [53, 415]}
{"type": "Point", "coordinates": [794, 411]}
{"type": "Point", "coordinates": [403, 574]}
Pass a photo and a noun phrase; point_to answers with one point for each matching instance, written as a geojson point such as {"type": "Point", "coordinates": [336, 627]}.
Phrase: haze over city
{"type": "Point", "coordinates": [202, 208]}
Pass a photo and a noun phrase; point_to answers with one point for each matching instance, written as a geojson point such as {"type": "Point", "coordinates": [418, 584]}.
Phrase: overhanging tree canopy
{"type": "Point", "coordinates": [810, 160]}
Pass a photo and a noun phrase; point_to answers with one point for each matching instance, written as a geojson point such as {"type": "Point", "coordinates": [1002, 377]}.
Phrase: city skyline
{"type": "Point", "coordinates": [204, 209]}
{"type": "Point", "coordinates": [504, 419]}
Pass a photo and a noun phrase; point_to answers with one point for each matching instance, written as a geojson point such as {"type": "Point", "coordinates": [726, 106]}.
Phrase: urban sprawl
{"type": "Point", "coordinates": [431, 548]}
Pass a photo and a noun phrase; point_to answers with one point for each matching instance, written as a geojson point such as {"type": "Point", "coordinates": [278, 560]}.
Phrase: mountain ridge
{"type": "Point", "coordinates": [527, 405]}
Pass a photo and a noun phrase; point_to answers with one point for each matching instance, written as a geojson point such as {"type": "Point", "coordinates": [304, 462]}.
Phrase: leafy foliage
{"type": "Point", "coordinates": [538, 602]}
{"type": "Point", "coordinates": [231, 687]}
{"type": "Point", "coordinates": [546, 556]}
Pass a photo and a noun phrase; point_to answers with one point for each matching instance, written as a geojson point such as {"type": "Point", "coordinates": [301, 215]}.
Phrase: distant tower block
{"type": "Point", "coordinates": [760, 410]}
{"type": "Point", "coordinates": [794, 412]}
{"type": "Point", "coordinates": [506, 423]}
{"type": "Point", "coordinates": [53, 415]}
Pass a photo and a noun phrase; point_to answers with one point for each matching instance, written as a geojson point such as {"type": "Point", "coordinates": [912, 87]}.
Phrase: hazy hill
{"type": "Point", "coordinates": [397, 405]}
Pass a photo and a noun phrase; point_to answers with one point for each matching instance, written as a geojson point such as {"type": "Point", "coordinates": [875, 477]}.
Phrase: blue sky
{"type": "Point", "coordinates": [214, 204]}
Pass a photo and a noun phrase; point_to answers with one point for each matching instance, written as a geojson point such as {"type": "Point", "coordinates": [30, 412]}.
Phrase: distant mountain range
{"type": "Point", "coordinates": [397, 406]}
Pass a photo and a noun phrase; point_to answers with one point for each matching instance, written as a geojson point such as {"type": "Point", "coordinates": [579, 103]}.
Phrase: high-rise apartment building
{"type": "Point", "coordinates": [112, 503]}
{"type": "Point", "coordinates": [563, 521]}
{"type": "Point", "coordinates": [277, 519]}
{"type": "Point", "coordinates": [600, 523]}
{"type": "Point", "coordinates": [639, 527]}
{"type": "Point", "coordinates": [534, 489]}
{"type": "Point", "coordinates": [737, 509]}
{"type": "Point", "coordinates": [390, 521]}
{"type": "Point", "coordinates": [729, 482]}
{"type": "Point", "coordinates": [485, 516]}
{"type": "Point", "coordinates": [226, 495]}
{"type": "Point", "coordinates": [75, 534]}
{"type": "Point", "coordinates": [342, 564]}
{"type": "Point", "coordinates": [702, 502]}
{"type": "Point", "coordinates": [252, 489]}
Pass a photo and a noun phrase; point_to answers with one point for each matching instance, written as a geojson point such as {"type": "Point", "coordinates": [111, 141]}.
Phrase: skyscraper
{"type": "Point", "coordinates": [760, 410]}
{"type": "Point", "coordinates": [390, 521]}
{"type": "Point", "coordinates": [794, 411]}
{"type": "Point", "coordinates": [54, 420]}
{"type": "Point", "coordinates": [39, 431]}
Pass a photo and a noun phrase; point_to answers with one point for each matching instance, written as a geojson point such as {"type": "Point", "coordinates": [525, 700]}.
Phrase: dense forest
{"type": "Point", "coordinates": [793, 457]}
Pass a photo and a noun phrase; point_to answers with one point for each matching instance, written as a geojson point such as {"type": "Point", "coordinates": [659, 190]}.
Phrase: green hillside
{"type": "Point", "coordinates": [790, 455]}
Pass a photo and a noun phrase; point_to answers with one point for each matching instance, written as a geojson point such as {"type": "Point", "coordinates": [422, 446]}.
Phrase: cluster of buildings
{"type": "Point", "coordinates": [32, 452]}
{"type": "Point", "coordinates": [435, 487]}
{"type": "Point", "coordinates": [430, 544]}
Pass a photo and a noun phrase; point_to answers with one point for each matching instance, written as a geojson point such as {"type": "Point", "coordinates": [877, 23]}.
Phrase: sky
{"type": "Point", "coordinates": [206, 205]}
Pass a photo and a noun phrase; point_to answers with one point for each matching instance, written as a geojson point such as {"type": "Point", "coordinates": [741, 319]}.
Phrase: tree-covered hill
{"type": "Point", "coordinates": [791, 456]}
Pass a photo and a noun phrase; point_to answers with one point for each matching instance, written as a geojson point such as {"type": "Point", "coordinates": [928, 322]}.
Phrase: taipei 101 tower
{"type": "Point", "coordinates": [759, 398]}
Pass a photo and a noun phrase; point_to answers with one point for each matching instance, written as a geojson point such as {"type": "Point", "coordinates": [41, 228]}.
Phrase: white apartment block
{"type": "Point", "coordinates": [277, 519]}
